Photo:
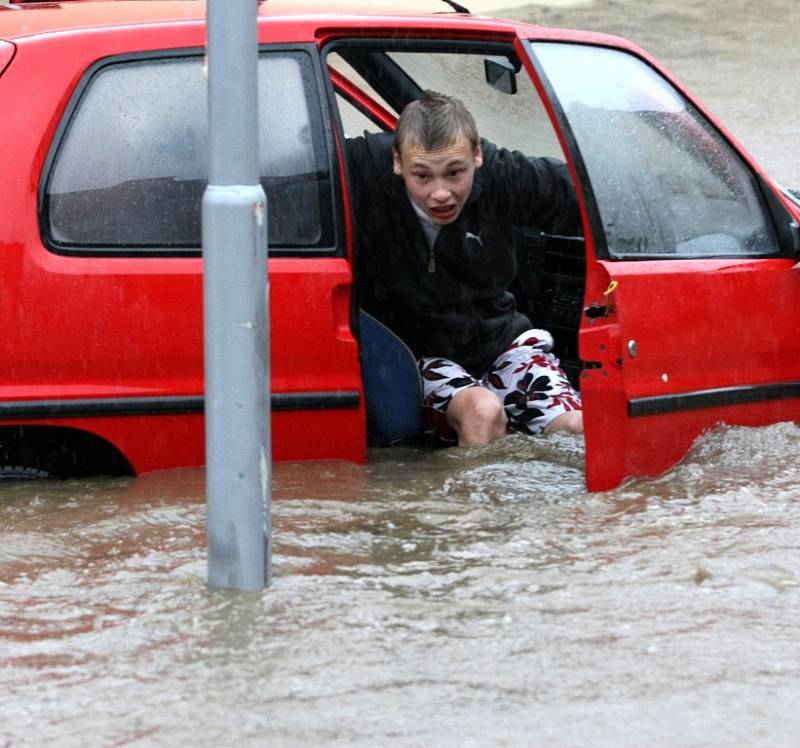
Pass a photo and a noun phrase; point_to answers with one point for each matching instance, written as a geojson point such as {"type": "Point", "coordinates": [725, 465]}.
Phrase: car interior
{"type": "Point", "coordinates": [373, 82]}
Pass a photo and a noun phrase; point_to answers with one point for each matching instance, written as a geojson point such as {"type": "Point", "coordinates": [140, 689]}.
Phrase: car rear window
{"type": "Point", "coordinates": [131, 165]}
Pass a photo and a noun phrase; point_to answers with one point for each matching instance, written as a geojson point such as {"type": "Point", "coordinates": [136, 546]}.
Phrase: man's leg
{"type": "Point", "coordinates": [457, 407]}
{"type": "Point", "coordinates": [571, 421]}
{"type": "Point", "coordinates": [477, 416]}
{"type": "Point", "coordinates": [533, 388]}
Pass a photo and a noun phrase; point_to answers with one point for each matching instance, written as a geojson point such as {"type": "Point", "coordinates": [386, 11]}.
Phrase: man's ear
{"type": "Point", "coordinates": [397, 165]}
{"type": "Point", "coordinates": [478, 154]}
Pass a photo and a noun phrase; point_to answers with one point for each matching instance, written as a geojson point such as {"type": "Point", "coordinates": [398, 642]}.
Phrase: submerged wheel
{"type": "Point", "coordinates": [18, 472]}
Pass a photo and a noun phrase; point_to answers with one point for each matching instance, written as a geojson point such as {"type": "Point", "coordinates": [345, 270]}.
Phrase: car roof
{"type": "Point", "coordinates": [293, 20]}
{"type": "Point", "coordinates": [25, 19]}
{"type": "Point", "coordinates": [31, 19]}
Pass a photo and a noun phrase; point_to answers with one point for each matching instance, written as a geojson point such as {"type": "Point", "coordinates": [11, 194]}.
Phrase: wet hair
{"type": "Point", "coordinates": [434, 122]}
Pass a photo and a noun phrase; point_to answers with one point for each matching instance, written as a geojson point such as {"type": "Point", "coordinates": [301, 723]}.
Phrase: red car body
{"type": "Point", "coordinates": [102, 353]}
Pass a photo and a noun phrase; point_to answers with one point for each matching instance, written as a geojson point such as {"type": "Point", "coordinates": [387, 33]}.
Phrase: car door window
{"type": "Point", "coordinates": [130, 169]}
{"type": "Point", "coordinates": [665, 182]}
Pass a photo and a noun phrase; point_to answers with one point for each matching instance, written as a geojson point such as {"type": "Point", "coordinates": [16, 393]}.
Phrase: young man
{"type": "Point", "coordinates": [435, 209]}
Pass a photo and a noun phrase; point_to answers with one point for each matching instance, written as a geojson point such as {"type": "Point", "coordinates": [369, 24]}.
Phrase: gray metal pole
{"type": "Point", "coordinates": [236, 314]}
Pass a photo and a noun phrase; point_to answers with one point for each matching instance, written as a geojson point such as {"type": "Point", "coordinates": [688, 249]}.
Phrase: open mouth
{"type": "Point", "coordinates": [443, 213]}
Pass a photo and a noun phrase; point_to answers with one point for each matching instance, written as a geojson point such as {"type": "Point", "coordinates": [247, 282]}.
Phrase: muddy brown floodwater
{"type": "Point", "coordinates": [474, 597]}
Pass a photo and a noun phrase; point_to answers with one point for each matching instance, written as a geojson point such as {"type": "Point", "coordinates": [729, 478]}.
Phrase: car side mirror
{"type": "Point", "coordinates": [500, 74]}
{"type": "Point", "coordinates": [794, 226]}
{"type": "Point", "coordinates": [788, 229]}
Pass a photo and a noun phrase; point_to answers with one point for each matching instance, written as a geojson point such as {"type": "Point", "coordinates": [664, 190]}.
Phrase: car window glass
{"type": "Point", "coordinates": [516, 121]}
{"type": "Point", "coordinates": [336, 63]}
{"type": "Point", "coordinates": [132, 167]}
{"type": "Point", "coordinates": [353, 120]}
{"type": "Point", "coordinates": [665, 182]}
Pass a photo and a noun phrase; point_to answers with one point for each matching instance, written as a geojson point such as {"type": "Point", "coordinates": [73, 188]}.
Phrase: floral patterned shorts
{"type": "Point", "coordinates": [526, 378]}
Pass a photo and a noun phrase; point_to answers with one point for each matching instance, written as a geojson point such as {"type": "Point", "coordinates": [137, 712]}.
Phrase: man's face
{"type": "Point", "coordinates": [439, 182]}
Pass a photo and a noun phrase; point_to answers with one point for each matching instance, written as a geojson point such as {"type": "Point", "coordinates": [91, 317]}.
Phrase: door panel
{"type": "Point", "coordinates": [686, 346]}
{"type": "Point", "coordinates": [690, 283]}
{"type": "Point", "coordinates": [112, 300]}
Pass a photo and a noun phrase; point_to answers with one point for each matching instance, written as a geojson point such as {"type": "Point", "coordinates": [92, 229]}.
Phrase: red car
{"type": "Point", "coordinates": [672, 310]}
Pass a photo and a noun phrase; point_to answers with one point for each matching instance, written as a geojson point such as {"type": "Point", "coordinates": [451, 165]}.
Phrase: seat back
{"type": "Point", "coordinates": [392, 384]}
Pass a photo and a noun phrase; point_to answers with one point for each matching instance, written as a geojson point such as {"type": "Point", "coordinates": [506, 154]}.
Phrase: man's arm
{"type": "Point", "coordinates": [530, 191]}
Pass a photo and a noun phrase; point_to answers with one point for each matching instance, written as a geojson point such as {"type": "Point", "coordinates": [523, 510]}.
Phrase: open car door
{"type": "Point", "coordinates": [692, 280]}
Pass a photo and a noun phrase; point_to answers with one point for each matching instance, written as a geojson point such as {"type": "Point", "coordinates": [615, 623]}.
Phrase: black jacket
{"type": "Point", "coordinates": [463, 310]}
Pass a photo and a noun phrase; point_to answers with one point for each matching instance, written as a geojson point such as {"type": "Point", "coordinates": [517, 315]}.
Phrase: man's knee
{"type": "Point", "coordinates": [570, 421]}
{"type": "Point", "coordinates": [477, 415]}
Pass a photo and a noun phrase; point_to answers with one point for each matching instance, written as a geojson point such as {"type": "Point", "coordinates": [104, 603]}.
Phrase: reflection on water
{"type": "Point", "coordinates": [459, 597]}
